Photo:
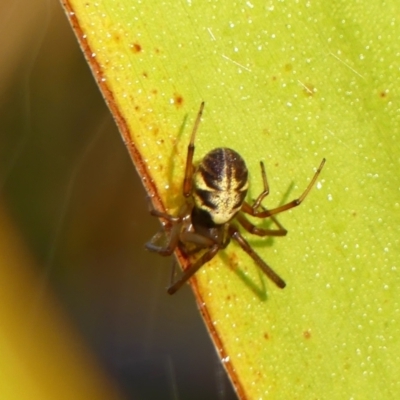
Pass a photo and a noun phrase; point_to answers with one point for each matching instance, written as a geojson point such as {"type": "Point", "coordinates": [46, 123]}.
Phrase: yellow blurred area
{"type": "Point", "coordinates": [41, 355]}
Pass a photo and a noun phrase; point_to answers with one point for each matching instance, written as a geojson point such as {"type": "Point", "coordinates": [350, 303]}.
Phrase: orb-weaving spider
{"type": "Point", "coordinates": [215, 194]}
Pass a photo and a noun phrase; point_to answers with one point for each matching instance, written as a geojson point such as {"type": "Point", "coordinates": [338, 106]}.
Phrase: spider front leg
{"type": "Point", "coordinates": [181, 234]}
{"type": "Point", "coordinates": [173, 238]}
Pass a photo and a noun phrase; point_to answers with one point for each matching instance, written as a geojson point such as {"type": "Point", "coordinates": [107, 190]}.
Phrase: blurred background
{"type": "Point", "coordinates": [76, 207]}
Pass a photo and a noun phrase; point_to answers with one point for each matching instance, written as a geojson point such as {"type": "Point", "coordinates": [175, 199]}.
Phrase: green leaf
{"type": "Point", "coordinates": [287, 83]}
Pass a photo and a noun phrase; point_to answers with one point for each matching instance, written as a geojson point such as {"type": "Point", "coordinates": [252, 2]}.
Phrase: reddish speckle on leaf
{"type": "Point", "coordinates": [383, 94]}
{"type": "Point", "coordinates": [178, 100]}
{"type": "Point", "coordinates": [136, 48]}
{"type": "Point", "coordinates": [307, 334]}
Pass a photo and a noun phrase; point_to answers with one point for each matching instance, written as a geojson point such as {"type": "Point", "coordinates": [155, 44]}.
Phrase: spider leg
{"type": "Point", "coordinates": [188, 181]}
{"type": "Point", "coordinates": [173, 271]}
{"type": "Point", "coordinates": [168, 217]}
{"type": "Point", "coordinates": [172, 243]}
{"type": "Point", "coordinates": [192, 269]}
{"type": "Point", "coordinates": [159, 214]}
{"type": "Point", "coordinates": [200, 243]}
{"type": "Point", "coordinates": [281, 231]}
{"type": "Point", "coordinates": [251, 228]}
{"type": "Point", "coordinates": [265, 192]}
{"type": "Point", "coordinates": [235, 234]}
{"type": "Point", "coordinates": [294, 203]}
{"type": "Point", "coordinates": [174, 234]}
{"type": "Point", "coordinates": [197, 239]}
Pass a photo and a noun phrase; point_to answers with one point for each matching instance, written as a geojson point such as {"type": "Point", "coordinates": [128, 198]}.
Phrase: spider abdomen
{"type": "Point", "coordinates": [220, 184]}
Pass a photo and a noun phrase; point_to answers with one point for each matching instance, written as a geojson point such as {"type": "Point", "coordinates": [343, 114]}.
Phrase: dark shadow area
{"type": "Point", "coordinates": [74, 195]}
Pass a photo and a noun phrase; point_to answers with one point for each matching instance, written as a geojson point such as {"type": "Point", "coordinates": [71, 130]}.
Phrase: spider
{"type": "Point", "coordinates": [215, 192]}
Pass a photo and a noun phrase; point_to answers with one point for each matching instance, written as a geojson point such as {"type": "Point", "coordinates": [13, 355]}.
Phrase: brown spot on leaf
{"type": "Point", "coordinates": [233, 261]}
{"type": "Point", "coordinates": [383, 94]}
{"type": "Point", "coordinates": [266, 336]}
{"type": "Point", "coordinates": [307, 334]}
{"type": "Point", "coordinates": [178, 100]}
{"type": "Point", "coordinates": [136, 48]}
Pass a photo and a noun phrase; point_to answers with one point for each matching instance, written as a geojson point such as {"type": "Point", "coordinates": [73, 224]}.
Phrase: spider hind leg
{"type": "Point", "coordinates": [235, 234]}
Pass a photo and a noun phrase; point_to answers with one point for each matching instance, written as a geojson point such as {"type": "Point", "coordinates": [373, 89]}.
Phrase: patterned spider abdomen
{"type": "Point", "coordinates": [220, 184]}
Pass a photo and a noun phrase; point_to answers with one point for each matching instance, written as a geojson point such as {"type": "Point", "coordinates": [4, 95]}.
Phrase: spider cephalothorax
{"type": "Point", "coordinates": [215, 191]}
